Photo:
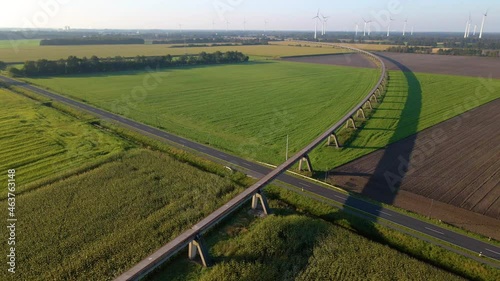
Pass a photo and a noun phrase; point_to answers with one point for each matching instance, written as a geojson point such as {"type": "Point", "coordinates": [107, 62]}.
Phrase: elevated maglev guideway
{"type": "Point", "coordinates": [193, 237]}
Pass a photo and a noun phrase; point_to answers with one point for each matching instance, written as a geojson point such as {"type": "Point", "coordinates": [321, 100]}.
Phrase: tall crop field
{"type": "Point", "coordinates": [96, 225]}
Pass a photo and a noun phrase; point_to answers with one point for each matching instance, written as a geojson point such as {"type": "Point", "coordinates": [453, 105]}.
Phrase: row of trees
{"type": "Point", "coordinates": [91, 41]}
{"type": "Point", "coordinates": [191, 41]}
{"type": "Point", "coordinates": [75, 65]}
{"type": "Point", "coordinates": [410, 50]}
{"type": "Point", "coordinates": [204, 45]}
{"type": "Point", "coordinates": [194, 41]}
{"type": "Point", "coordinates": [242, 43]}
{"type": "Point", "coordinates": [473, 43]}
{"type": "Point", "coordinates": [469, 52]}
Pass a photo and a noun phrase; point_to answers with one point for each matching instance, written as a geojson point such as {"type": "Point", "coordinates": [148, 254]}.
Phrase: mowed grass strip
{"type": "Point", "coordinates": [29, 51]}
{"type": "Point", "coordinates": [414, 102]}
{"type": "Point", "coordinates": [96, 225]}
{"type": "Point", "coordinates": [39, 141]}
{"type": "Point", "coordinates": [245, 109]}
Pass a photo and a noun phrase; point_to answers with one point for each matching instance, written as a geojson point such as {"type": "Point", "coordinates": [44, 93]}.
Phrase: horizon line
{"type": "Point", "coordinates": [14, 29]}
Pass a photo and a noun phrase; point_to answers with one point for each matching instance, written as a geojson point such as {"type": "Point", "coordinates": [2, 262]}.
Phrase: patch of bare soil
{"type": "Point", "coordinates": [439, 64]}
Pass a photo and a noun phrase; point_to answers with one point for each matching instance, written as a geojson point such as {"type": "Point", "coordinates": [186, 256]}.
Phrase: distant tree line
{"type": "Point", "coordinates": [91, 41]}
{"type": "Point", "coordinates": [410, 50]}
{"type": "Point", "coordinates": [254, 42]}
{"type": "Point", "coordinates": [191, 41]}
{"type": "Point", "coordinates": [243, 43]}
{"type": "Point", "coordinates": [213, 41]}
{"type": "Point", "coordinates": [204, 45]}
{"type": "Point", "coordinates": [473, 43]}
{"type": "Point", "coordinates": [469, 52]}
{"type": "Point", "coordinates": [75, 65]}
{"type": "Point", "coordinates": [2, 65]}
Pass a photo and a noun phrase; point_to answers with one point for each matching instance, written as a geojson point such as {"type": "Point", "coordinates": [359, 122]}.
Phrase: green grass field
{"type": "Point", "coordinates": [95, 225]}
{"type": "Point", "coordinates": [28, 43]}
{"type": "Point", "coordinates": [413, 103]}
{"type": "Point", "coordinates": [245, 109]}
{"type": "Point", "coordinates": [39, 141]}
{"type": "Point", "coordinates": [30, 51]}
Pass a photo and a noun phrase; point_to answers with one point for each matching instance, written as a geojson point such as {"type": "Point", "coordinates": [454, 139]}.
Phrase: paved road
{"type": "Point", "coordinates": [256, 170]}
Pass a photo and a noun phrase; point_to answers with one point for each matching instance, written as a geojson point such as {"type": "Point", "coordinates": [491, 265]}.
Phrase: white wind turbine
{"type": "Point", "coordinates": [266, 22]}
{"type": "Point", "coordinates": [227, 25]}
{"type": "Point", "coordinates": [467, 24]}
{"type": "Point", "coordinates": [325, 21]}
{"type": "Point", "coordinates": [470, 23]}
{"type": "Point", "coordinates": [357, 28]}
{"type": "Point", "coordinates": [245, 24]}
{"type": "Point", "coordinates": [370, 27]}
{"type": "Point", "coordinates": [389, 26]}
{"type": "Point", "coordinates": [482, 24]}
{"type": "Point", "coordinates": [475, 29]}
{"type": "Point", "coordinates": [404, 27]}
{"type": "Point", "coordinates": [364, 30]}
{"type": "Point", "coordinates": [316, 19]}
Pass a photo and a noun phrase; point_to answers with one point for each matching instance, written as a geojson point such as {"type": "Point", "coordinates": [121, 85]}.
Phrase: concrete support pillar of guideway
{"type": "Point", "coordinates": [369, 105]}
{"type": "Point", "coordinates": [350, 122]}
{"type": "Point", "coordinates": [197, 246]}
{"type": "Point", "coordinates": [333, 138]}
{"type": "Point", "coordinates": [307, 161]}
{"type": "Point", "coordinates": [259, 197]}
{"type": "Point", "coordinates": [361, 113]}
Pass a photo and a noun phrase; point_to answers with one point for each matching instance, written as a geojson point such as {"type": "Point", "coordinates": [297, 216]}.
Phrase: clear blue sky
{"type": "Point", "coordinates": [424, 15]}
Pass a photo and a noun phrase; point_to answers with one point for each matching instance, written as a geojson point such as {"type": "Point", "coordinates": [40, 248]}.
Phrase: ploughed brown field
{"type": "Point", "coordinates": [452, 65]}
{"type": "Point", "coordinates": [452, 174]}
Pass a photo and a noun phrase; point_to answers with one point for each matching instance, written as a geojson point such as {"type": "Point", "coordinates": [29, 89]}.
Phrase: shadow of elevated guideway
{"type": "Point", "coordinates": [392, 164]}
